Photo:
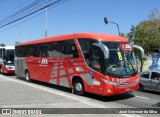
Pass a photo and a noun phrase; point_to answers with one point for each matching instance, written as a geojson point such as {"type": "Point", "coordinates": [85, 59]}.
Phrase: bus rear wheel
{"type": "Point", "coordinates": [27, 76]}
{"type": "Point", "coordinates": [78, 87]}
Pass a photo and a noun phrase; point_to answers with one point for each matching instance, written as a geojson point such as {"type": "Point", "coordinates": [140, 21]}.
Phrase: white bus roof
{"type": "Point", "coordinates": [7, 47]}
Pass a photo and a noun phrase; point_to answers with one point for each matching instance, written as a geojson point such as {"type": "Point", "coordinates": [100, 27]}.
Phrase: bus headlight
{"type": "Point", "coordinates": [109, 82]}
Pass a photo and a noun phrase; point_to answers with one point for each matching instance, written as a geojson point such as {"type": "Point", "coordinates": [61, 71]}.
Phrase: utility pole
{"type": "Point", "coordinates": [46, 22]}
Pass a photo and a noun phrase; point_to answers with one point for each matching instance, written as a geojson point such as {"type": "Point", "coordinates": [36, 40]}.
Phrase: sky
{"type": "Point", "coordinates": [75, 16]}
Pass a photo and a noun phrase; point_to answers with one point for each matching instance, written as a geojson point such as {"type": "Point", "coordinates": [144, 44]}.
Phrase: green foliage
{"type": "Point", "coordinates": [122, 34]}
{"type": "Point", "coordinates": [147, 35]}
{"type": "Point", "coordinates": [131, 34]}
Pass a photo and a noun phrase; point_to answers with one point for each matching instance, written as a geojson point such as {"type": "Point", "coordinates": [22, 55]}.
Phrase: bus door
{"type": "Point", "coordinates": [98, 56]}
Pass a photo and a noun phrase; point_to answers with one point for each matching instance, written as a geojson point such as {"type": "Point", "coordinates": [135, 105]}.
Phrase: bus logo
{"type": "Point", "coordinates": [125, 47]}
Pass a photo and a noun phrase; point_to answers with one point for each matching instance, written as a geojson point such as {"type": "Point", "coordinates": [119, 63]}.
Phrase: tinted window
{"type": "Point", "coordinates": [20, 51]}
{"type": "Point", "coordinates": [2, 53]}
{"type": "Point", "coordinates": [23, 51]}
{"type": "Point", "coordinates": [111, 45]}
{"type": "Point", "coordinates": [95, 61]}
{"type": "Point", "coordinates": [63, 49]}
{"type": "Point", "coordinates": [92, 57]}
{"type": "Point", "coordinates": [60, 49]}
{"type": "Point", "coordinates": [86, 44]}
{"type": "Point", "coordinates": [155, 76]}
{"type": "Point", "coordinates": [10, 55]}
{"type": "Point", "coordinates": [36, 50]}
{"type": "Point", "coordinates": [44, 48]}
{"type": "Point", "coordinates": [145, 75]}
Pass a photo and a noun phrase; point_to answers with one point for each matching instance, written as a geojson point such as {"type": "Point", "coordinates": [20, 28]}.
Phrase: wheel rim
{"type": "Point", "coordinates": [79, 87]}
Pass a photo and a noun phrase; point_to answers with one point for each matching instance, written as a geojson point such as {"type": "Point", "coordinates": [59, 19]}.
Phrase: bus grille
{"type": "Point", "coordinates": [127, 84]}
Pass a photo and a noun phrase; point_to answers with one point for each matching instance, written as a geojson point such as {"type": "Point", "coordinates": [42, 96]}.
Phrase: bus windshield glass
{"type": "Point", "coordinates": [121, 62]}
{"type": "Point", "coordinates": [10, 57]}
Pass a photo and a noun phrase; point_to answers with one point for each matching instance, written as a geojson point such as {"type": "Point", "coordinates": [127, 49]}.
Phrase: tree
{"type": "Point", "coordinates": [122, 34]}
{"type": "Point", "coordinates": [155, 15]}
{"type": "Point", "coordinates": [147, 34]}
{"type": "Point", "coordinates": [131, 34]}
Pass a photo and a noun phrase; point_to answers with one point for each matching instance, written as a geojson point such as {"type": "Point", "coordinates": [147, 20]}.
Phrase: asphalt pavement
{"type": "Point", "coordinates": [15, 93]}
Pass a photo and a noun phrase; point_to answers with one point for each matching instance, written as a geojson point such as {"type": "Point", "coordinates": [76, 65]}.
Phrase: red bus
{"type": "Point", "coordinates": [102, 64]}
{"type": "Point", "coordinates": [7, 59]}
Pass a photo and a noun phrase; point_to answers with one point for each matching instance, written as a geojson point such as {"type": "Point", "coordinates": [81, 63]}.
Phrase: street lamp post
{"type": "Point", "coordinates": [106, 22]}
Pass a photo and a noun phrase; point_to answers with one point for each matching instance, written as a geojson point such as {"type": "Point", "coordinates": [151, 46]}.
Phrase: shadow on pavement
{"type": "Point", "coordinates": [150, 91]}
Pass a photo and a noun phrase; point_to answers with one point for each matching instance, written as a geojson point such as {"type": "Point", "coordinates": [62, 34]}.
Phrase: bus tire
{"type": "Point", "coordinates": [27, 76]}
{"type": "Point", "coordinates": [140, 87]}
{"type": "Point", "coordinates": [78, 87]}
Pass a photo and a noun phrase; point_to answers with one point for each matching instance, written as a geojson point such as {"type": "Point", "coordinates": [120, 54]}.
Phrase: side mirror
{"type": "Point", "coordinates": [141, 49]}
{"type": "Point", "coordinates": [104, 49]}
{"type": "Point", "coordinates": [105, 20]}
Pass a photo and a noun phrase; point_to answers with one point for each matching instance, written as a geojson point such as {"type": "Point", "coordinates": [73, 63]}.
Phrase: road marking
{"type": "Point", "coordinates": [80, 99]}
{"type": "Point", "coordinates": [143, 97]}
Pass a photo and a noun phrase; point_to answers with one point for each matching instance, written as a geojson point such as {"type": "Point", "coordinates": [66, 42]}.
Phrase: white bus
{"type": "Point", "coordinates": [7, 59]}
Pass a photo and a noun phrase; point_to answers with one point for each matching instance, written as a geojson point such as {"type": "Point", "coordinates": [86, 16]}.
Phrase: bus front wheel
{"type": "Point", "coordinates": [78, 87]}
{"type": "Point", "coordinates": [27, 76]}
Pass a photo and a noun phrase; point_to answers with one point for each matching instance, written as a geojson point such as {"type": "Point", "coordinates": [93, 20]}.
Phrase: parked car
{"type": "Point", "coordinates": [149, 80]}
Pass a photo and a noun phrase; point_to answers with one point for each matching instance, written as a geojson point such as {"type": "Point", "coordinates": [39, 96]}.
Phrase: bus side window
{"type": "Point", "coordinates": [18, 51]}
{"type": "Point", "coordinates": [74, 51]}
{"type": "Point", "coordinates": [63, 49]}
{"type": "Point", "coordinates": [66, 49]}
{"type": "Point", "coordinates": [69, 49]}
{"type": "Point", "coordinates": [86, 47]}
{"type": "Point", "coordinates": [24, 51]}
{"type": "Point", "coordinates": [36, 51]}
{"type": "Point", "coordinates": [30, 51]}
{"type": "Point", "coordinates": [44, 48]}
{"type": "Point", "coordinates": [55, 50]}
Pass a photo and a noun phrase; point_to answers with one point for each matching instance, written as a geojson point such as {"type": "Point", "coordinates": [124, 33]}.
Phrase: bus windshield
{"type": "Point", "coordinates": [10, 57]}
{"type": "Point", "coordinates": [121, 62]}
